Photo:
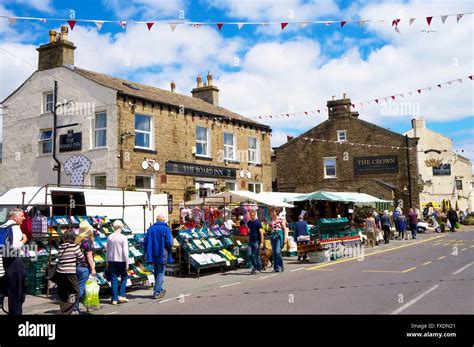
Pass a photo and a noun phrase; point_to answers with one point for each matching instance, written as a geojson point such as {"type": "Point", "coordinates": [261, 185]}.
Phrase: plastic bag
{"type": "Point", "coordinates": [91, 297]}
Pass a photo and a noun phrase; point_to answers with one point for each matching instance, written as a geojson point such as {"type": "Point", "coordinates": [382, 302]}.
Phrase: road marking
{"type": "Point", "coordinates": [411, 302]}
{"type": "Point", "coordinates": [392, 271]}
{"type": "Point", "coordinates": [373, 253]}
{"type": "Point", "coordinates": [462, 269]}
{"type": "Point", "coordinates": [446, 244]}
{"type": "Point", "coordinates": [112, 312]}
{"type": "Point", "coordinates": [262, 278]}
{"type": "Point", "coordinates": [408, 270]}
{"type": "Point", "coordinates": [178, 297]}
{"type": "Point", "coordinates": [442, 257]}
{"type": "Point", "coordinates": [463, 249]}
{"type": "Point", "coordinates": [232, 284]}
{"type": "Point", "coordinates": [428, 262]}
{"type": "Point", "coordinates": [471, 246]}
{"type": "Point", "coordinates": [301, 268]}
{"type": "Point", "coordinates": [325, 269]}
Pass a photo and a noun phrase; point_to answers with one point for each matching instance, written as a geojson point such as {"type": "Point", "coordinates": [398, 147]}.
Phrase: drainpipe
{"type": "Point", "coordinates": [409, 171]}
{"type": "Point", "coordinates": [55, 128]}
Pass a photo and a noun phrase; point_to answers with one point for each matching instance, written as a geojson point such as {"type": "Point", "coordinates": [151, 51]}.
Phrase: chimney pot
{"type": "Point", "coordinates": [209, 79]}
{"type": "Point", "coordinates": [52, 35]}
{"type": "Point", "coordinates": [334, 97]}
{"type": "Point", "coordinates": [344, 95]}
{"type": "Point", "coordinates": [199, 81]}
{"type": "Point", "coordinates": [64, 31]}
{"type": "Point", "coordinates": [173, 86]}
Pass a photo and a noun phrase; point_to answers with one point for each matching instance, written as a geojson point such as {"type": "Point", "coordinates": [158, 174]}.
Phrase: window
{"type": "Point", "coordinates": [329, 167]}
{"type": "Point", "coordinates": [46, 141]}
{"type": "Point", "coordinates": [1, 152]}
{"type": "Point", "coordinates": [99, 181]}
{"type": "Point", "coordinates": [229, 146]}
{"type": "Point", "coordinates": [341, 135]}
{"type": "Point", "coordinates": [144, 183]}
{"type": "Point", "coordinates": [255, 187]}
{"type": "Point", "coordinates": [202, 142]}
{"type": "Point", "coordinates": [143, 132]}
{"type": "Point", "coordinates": [230, 186]}
{"type": "Point", "coordinates": [459, 184]}
{"type": "Point", "coordinates": [254, 150]}
{"type": "Point", "coordinates": [100, 130]}
{"type": "Point", "coordinates": [48, 102]}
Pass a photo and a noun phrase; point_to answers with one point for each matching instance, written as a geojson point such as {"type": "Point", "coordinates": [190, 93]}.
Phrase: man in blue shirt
{"type": "Point", "coordinates": [255, 242]}
{"type": "Point", "coordinates": [301, 230]}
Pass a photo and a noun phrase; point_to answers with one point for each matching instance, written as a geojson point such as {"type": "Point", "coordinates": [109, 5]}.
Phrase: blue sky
{"type": "Point", "coordinates": [263, 70]}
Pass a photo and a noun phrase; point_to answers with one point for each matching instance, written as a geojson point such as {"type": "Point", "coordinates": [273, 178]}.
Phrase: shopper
{"type": "Point", "coordinates": [378, 228]}
{"type": "Point", "coordinates": [301, 227]}
{"type": "Point", "coordinates": [243, 229]}
{"type": "Point", "coordinates": [370, 230]}
{"type": "Point", "coordinates": [453, 219]}
{"type": "Point", "coordinates": [385, 221]}
{"type": "Point", "coordinates": [255, 242]}
{"type": "Point", "coordinates": [398, 211]}
{"type": "Point", "coordinates": [279, 236]}
{"type": "Point", "coordinates": [13, 282]}
{"type": "Point", "coordinates": [69, 255]}
{"type": "Point", "coordinates": [117, 262]}
{"type": "Point", "coordinates": [158, 248]}
{"type": "Point", "coordinates": [402, 226]}
{"type": "Point", "coordinates": [413, 221]}
{"type": "Point", "coordinates": [86, 266]}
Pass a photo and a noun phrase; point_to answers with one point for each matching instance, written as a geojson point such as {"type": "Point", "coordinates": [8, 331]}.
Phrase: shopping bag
{"type": "Point", "coordinates": [39, 224]}
{"type": "Point", "coordinates": [448, 224]}
{"type": "Point", "coordinates": [91, 297]}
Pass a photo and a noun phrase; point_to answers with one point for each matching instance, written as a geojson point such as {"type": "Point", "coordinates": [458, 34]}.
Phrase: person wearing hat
{"type": "Point", "coordinates": [86, 267]}
{"type": "Point", "coordinates": [158, 248]}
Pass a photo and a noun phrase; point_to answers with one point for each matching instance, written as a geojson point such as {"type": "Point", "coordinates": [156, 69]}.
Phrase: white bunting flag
{"type": "Point", "coordinates": [11, 20]}
{"type": "Point", "coordinates": [304, 24]}
{"type": "Point", "coordinates": [443, 19]}
{"type": "Point", "coordinates": [99, 25]}
{"type": "Point", "coordinates": [197, 25]}
{"type": "Point", "coordinates": [173, 26]}
{"type": "Point", "coordinates": [458, 17]}
{"type": "Point", "coordinates": [397, 30]}
{"type": "Point", "coordinates": [240, 25]}
{"type": "Point", "coordinates": [123, 24]}
{"type": "Point", "coordinates": [411, 21]}
{"type": "Point", "coordinates": [460, 80]}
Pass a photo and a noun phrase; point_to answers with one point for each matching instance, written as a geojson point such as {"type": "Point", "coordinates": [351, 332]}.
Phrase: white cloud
{"type": "Point", "coordinates": [145, 9]}
{"type": "Point", "coordinates": [41, 5]}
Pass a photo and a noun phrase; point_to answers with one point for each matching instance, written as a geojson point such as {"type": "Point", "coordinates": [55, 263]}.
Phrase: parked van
{"type": "Point", "coordinates": [126, 205]}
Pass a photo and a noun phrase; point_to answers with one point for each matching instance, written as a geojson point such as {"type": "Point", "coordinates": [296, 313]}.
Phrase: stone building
{"type": "Point", "coordinates": [131, 135]}
{"type": "Point", "coordinates": [388, 173]}
{"type": "Point", "coordinates": [446, 175]}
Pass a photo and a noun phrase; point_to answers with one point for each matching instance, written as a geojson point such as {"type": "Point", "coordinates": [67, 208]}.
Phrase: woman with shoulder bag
{"type": "Point", "coordinates": [279, 237]}
{"type": "Point", "coordinates": [68, 287]}
{"type": "Point", "coordinates": [86, 266]}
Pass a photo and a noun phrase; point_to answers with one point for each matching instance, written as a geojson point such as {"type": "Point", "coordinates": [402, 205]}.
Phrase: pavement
{"type": "Point", "coordinates": [431, 275]}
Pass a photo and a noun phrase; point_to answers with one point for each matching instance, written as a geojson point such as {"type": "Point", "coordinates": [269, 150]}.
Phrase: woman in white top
{"type": "Point", "coordinates": [370, 229]}
{"type": "Point", "coordinates": [117, 262]}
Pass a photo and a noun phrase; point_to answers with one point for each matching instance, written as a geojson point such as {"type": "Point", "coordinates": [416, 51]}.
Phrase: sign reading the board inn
{"type": "Point", "coordinates": [379, 164]}
{"type": "Point", "coordinates": [177, 168]}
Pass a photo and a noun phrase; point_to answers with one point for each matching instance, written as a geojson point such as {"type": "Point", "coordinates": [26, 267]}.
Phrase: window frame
{"type": "Point", "coordinates": [255, 184]}
{"type": "Point", "coordinates": [339, 132]}
{"type": "Point", "coordinates": [233, 183]}
{"type": "Point", "coordinates": [95, 130]}
{"type": "Point", "coordinates": [233, 146]}
{"type": "Point", "coordinates": [257, 150]}
{"type": "Point", "coordinates": [46, 102]}
{"type": "Point", "coordinates": [457, 187]}
{"type": "Point", "coordinates": [207, 142]}
{"type": "Point", "coordinates": [151, 132]}
{"type": "Point", "coordinates": [41, 142]}
{"type": "Point", "coordinates": [93, 180]}
{"type": "Point", "coordinates": [152, 182]}
{"type": "Point", "coordinates": [325, 167]}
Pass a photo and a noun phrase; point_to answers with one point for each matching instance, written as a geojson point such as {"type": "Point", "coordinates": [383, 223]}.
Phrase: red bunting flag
{"type": "Point", "coordinates": [283, 25]}
{"type": "Point", "coordinates": [71, 23]}
{"type": "Point", "coordinates": [319, 111]}
{"type": "Point", "coordinates": [429, 19]}
{"type": "Point", "coordinates": [393, 97]}
{"type": "Point", "coordinates": [439, 85]}
{"type": "Point", "coordinates": [149, 25]}
{"type": "Point", "coordinates": [343, 22]}
{"type": "Point", "coordinates": [306, 113]}
{"type": "Point", "coordinates": [287, 114]}
{"type": "Point", "coordinates": [395, 22]}
{"type": "Point", "coordinates": [419, 91]}
{"type": "Point", "coordinates": [377, 101]}
{"type": "Point", "coordinates": [470, 77]}
{"type": "Point", "coordinates": [411, 21]}
{"type": "Point", "coordinates": [219, 25]}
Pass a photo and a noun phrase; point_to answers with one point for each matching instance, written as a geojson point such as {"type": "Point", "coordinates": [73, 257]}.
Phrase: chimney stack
{"type": "Point", "coordinates": [56, 53]}
{"type": "Point", "coordinates": [417, 124]}
{"type": "Point", "coordinates": [173, 86]}
{"type": "Point", "coordinates": [206, 91]}
{"type": "Point", "coordinates": [340, 108]}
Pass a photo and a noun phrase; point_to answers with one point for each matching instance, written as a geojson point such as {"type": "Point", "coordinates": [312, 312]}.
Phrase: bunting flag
{"type": "Point", "coordinates": [411, 21]}
{"type": "Point", "coordinates": [219, 25]}
{"type": "Point", "coordinates": [397, 30]}
{"type": "Point", "coordinates": [362, 23]}
{"type": "Point", "coordinates": [443, 19]}
{"type": "Point", "coordinates": [173, 26]}
{"type": "Point", "coordinates": [123, 24]}
{"type": "Point", "coordinates": [343, 22]}
{"type": "Point", "coordinates": [283, 25]}
{"type": "Point", "coordinates": [197, 25]}
{"type": "Point", "coordinates": [304, 24]}
{"type": "Point", "coordinates": [361, 104]}
{"type": "Point", "coordinates": [429, 19]}
{"type": "Point", "coordinates": [71, 23]}
{"type": "Point", "coordinates": [458, 17]}
{"type": "Point", "coordinates": [240, 25]}
{"type": "Point", "coordinates": [11, 20]}
{"type": "Point", "coordinates": [395, 22]}
{"type": "Point", "coordinates": [149, 25]}
{"type": "Point", "coordinates": [306, 139]}
{"type": "Point", "coordinates": [99, 25]}
{"type": "Point", "coordinates": [42, 20]}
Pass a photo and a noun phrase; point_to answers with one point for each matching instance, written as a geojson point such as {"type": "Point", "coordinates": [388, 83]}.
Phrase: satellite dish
{"type": "Point", "coordinates": [145, 165]}
{"type": "Point", "coordinates": [242, 173]}
{"type": "Point", "coordinates": [156, 166]}
{"type": "Point", "coordinates": [249, 174]}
